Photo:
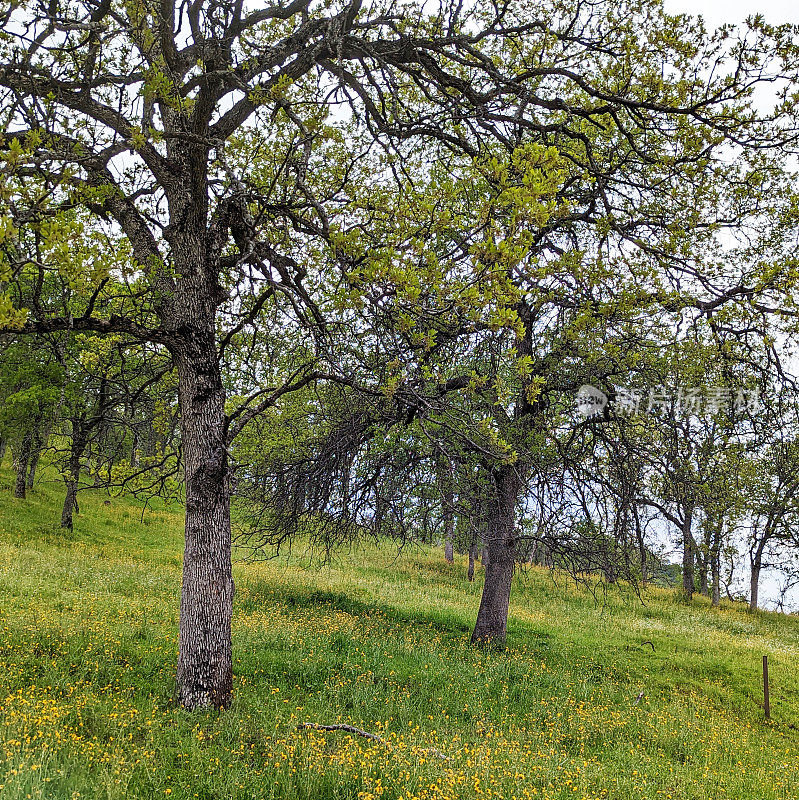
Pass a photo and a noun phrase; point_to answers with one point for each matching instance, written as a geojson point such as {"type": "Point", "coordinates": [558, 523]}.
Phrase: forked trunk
{"type": "Point", "coordinates": [205, 668]}
{"type": "Point", "coordinates": [500, 546]}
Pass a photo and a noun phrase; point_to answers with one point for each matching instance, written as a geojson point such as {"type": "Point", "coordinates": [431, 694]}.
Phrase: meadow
{"type": "Point", "coordinates": [604, 697]}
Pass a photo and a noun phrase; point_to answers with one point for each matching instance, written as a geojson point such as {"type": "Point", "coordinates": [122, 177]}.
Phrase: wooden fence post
{"type": "Point", "coordinates": [766, 703]}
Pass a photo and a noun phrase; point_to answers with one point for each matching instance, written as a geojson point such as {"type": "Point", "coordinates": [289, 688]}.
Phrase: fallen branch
{"type": "Point", "coordinates": [315, 726]}
{"type": "Point", "coordinates": [639, 698]}
{"type": "Point", "coordinates": [627, 647]}
{"type": "Point", "coordinates": [349, 728]}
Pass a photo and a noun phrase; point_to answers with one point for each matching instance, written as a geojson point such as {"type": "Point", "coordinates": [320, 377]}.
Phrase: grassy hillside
{"type": "Point", "coordinates": [88, 628]}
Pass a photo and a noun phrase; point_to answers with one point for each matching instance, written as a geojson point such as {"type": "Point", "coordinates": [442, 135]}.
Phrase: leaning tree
{"type": "Point", "coordinates": [631, 208]}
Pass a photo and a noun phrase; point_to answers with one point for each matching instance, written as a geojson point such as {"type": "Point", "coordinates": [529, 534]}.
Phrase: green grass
{"type": "Point", "coordinates": [88, 630]}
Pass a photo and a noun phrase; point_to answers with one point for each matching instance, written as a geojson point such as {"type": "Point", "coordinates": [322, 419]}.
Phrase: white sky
{"type": "Point", "coordinates": [717, 12]}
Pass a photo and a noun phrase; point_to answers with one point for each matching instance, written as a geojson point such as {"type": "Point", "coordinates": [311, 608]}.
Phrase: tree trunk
{"type": "Point", "coordinates": [704, 589]}
{"type": "Point", "coordinates": [609, 569]}
{"type": "Point", "coordinates": [754, 586]}
{"type": "Point", "coordinates": [756, 563]}
{"type": "Point", "coordinates": [37, 444]}
{"type": "Point", "coordinates": [134, 449]}
{"type": "Point", "coordinates": [205, 668]}
{"type": "Point", "coordinates": [492, 617]}
{"type": "Point", "coordinates": [70, 503]}
{"type": "Point", "coordinates": [714, 556]}
{"type": "Point", "coordinates": [449, 553]}
{"type": "Point", "coordinates": [32, 471]}
{"type": "Point", "coordinates": [3, 445]}
{"type": "Point", "coordinates": [72, 478]}
{"type": "Point", "coordinates": [688, 585]}
{"type": "Point", "coordinates": [715, 568]}
{"type": "Point", "coordinates": [702, 557]}
{"type": "Point", "coordinates": [642, 561]}
{"type": "Point", "coordinates": [472, 556]}
{"type": "Point", "coordinates": [640, 541]}
{"type": "Point", "coordinates": [22, 466]}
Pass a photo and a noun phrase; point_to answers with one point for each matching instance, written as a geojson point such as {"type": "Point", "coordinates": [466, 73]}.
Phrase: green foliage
{"type": "Point", "coordinates": [31, 385]}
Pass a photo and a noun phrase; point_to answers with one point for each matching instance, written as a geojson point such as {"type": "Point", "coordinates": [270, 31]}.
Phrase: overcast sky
{"type": "Point", "coordinates": [718, 11]}
{"type": "Point", "coordinates": [715, 13]}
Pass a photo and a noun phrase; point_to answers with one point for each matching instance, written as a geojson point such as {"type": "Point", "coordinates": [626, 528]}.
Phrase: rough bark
{"type": "Point", "coordinates": [492, 617]}
{"type": "Point", "coordinates": [205, 669]}
{"type": "Point", "coordinates": [23, 455]}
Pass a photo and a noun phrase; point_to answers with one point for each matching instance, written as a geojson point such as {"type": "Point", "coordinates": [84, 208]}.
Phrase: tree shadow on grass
{"type": "Point", "coordinates": [253, 597]}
